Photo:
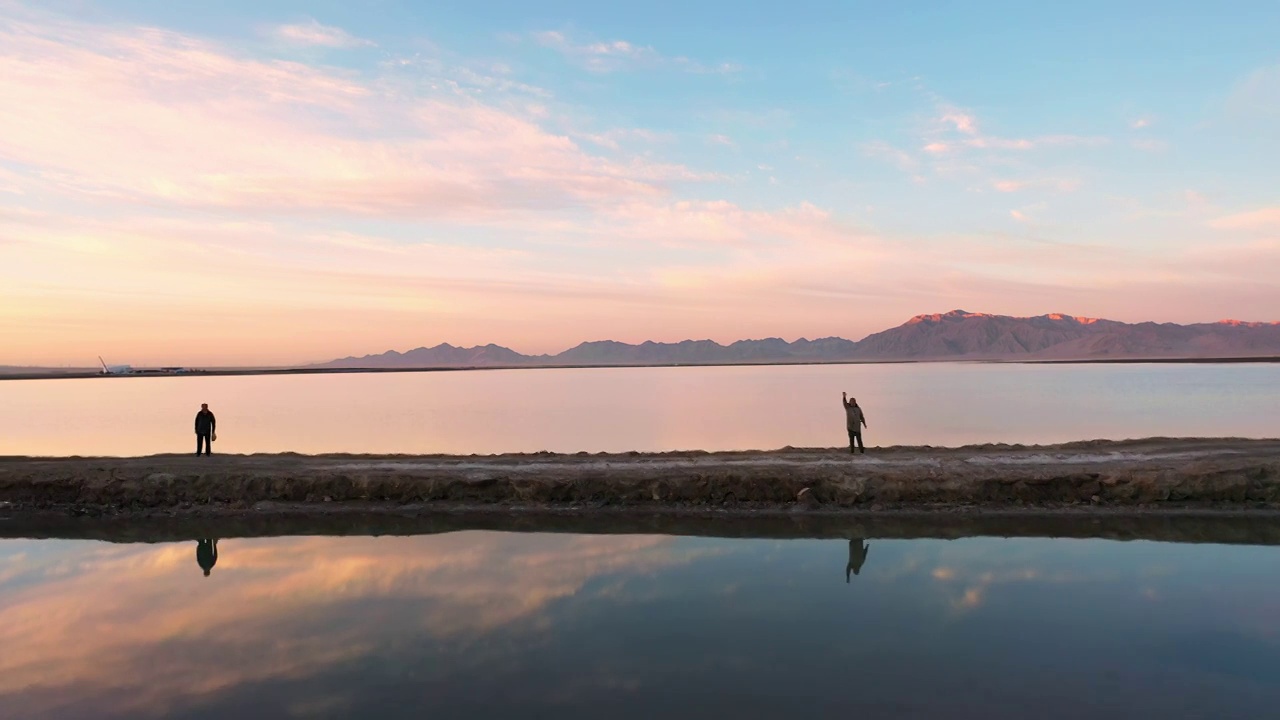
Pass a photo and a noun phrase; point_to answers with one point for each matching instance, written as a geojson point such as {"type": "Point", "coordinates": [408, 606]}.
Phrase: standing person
{"type": "Point", "coordinates": [206, 425]}
{"type": "Point", "coordinates": [855, 420]}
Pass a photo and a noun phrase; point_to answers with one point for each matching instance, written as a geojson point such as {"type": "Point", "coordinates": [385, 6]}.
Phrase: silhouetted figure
{"type": "Point", "coordinates": [857, 556]}
{"type": "Point", "coordinates": [206, 430]}
{"type": "Point", "coordinates": [207, 555]}
{"type": "Point", "coordinates": [855, 420]}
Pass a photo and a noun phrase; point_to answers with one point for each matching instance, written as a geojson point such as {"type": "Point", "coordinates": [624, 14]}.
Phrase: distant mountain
{"type": "Point", "coordinates": [960, 334]}
{"type": "Point", "coordinates": [442, 355]}
{"type": "Point", "coordinates": [609, 352]}
{"type": "Point", "coordinates": [956, 335]}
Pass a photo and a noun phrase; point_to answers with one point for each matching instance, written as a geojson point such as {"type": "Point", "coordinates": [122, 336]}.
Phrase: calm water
{"type": "Point", "coordinates": [621, 409]}
{"type": "Point", "coordinates": [482, 624]}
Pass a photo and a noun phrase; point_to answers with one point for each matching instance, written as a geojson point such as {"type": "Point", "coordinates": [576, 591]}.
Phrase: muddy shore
{"type": "Point", "coordinates": [267, 494]}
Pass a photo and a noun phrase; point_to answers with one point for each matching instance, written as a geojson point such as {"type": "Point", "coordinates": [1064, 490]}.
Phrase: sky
{"type": "Point", "coordinates": [278, 182]}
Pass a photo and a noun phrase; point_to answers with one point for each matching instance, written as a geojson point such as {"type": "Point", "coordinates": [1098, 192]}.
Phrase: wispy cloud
{"type": "Point", "coordinates": [312, 34]}
{"type": "Point", "coordinates": [155, 116]}
{"type": "Point", "coordinates": [616, 55]}
{"type": "Point", "coordinates": [957, 129]}
{"type": "Point", "coordinates": [1140, 123]}
{"type": "Point", "coordinates": [1059, 185]}
{"type": "Point", "coordinates": [1150, 145]}
{"type": "Point", "coordinates": [1264, 218]}
{"type": "Point", "coordinates": [616, 138]}
{"type": "Point", "coordinates": [900, 158]}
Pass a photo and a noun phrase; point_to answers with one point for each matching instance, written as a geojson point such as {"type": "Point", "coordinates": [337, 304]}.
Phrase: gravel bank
{"type": "Point", "coordinates": [1156, 472]}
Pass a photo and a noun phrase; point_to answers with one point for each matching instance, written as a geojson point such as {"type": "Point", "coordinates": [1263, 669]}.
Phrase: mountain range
{"type": "Point", "coordinates": [956, 335]}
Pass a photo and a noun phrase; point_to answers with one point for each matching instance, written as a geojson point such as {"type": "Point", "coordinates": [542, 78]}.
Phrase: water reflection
{"type": "Point", "coordinates": [479, 624]}
{"type": "Point", "coordinates": [857, 557]}
{"type": "Point", "coordinates": [206, 555]}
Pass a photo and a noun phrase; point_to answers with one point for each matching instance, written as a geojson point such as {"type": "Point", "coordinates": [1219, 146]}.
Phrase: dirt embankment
{"type": "Point", "coordinates": [1154, 472]}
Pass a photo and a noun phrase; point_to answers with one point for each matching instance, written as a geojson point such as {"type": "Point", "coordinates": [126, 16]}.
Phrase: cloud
{"type": "Point", "coordinates": [313, 34]}
{"type": "Point", "coordinates": [1262, 219]}
{"type": "Point", "coordinates": [150, 116]}
{"type": "Point", "coordinates": [615, 139]}
{"type": "Point", "coordinates": [997, 143]}
{"type": "Point", "coordinates": [617, 55]}
{"type": "Point", "coordinates": [1140, 123]}
{"type": "Point", "coordinates": [721, 222]}
{"type": "Point", "coordinates": [961, 121]}
{"type": "Point", "coordinates": [1011, 186]}
{"type": "Point", "coordinates": [1019, 216]}
{"type": "Point", "coordinates": [724, 140]}
{"type": "Point", "coordinates": [1150, 145]}
{"type": "Point", "coordinates": [959, 129]}
{"type": "Point", "coordinates": [898, 157]}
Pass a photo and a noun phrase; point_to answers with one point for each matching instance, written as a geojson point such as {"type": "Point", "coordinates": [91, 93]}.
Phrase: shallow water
{"type": "Point", "coordinates": [477, 624]}
{"type": "Point", "coordinates": [647, 409]}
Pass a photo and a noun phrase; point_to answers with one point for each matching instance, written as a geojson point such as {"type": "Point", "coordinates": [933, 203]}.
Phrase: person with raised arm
{"type": "Point", "coordinates": [855, 420]}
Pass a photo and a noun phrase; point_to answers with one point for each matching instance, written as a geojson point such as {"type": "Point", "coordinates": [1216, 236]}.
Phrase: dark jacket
{"type": "Point", "coordinates": [206, 554]}
{"type": "Point", "coordinates": [205, 422]}
{"type": "Point", "coordinates": [854, 417]}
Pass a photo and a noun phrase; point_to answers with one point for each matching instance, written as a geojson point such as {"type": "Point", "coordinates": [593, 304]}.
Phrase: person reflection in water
{"type": "Point", "coordinates": [207, 555]}
{"type": "Point", "coordinates": [857, 556]}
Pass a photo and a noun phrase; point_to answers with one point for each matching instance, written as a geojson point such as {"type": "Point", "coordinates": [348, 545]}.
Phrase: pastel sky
{"type": "Point", "coordinates": [285, 181]}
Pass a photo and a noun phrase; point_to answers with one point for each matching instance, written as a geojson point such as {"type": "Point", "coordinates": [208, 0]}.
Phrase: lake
{"type": "Point", "coordinates": [490, 624]}
{"type": "Point", "coordinates": [645, 409]}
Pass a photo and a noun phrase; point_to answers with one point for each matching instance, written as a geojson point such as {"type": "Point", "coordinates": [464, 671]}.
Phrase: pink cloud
{"type": "Point", "coordinates": [936, 148]}
{"type": "Point", "coordinates": [963, 122]}
{"type": "Point", "coordinates": [312, 33]}
{"type": "Point", "coordinates": [1000, 143]}
{"type": "Point", "coordinates": [154, 116]}
{"type": "Point", "coordinates": [1060, 185]}
{"type": "Point", "coordinates": [1262, 219]}
{"type": "Point", "coordinates": [699, 223]}
{"type": "Point", "coordinates": [997, 143]}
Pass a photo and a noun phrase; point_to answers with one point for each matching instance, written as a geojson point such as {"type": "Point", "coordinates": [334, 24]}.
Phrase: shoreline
{"type": "Point", "coordinates": [1177, 525]}
{"type": "Point", "coordinates": [1082, 478]}
{"type": "Point", "coordinates": [41, 374]}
